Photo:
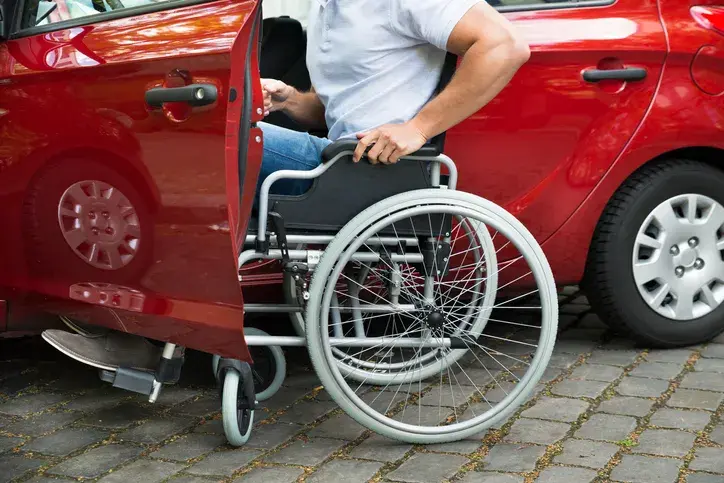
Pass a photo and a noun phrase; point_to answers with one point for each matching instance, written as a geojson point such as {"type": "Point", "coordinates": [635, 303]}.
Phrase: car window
{"type": "Point", "coordinates": [44, 12]}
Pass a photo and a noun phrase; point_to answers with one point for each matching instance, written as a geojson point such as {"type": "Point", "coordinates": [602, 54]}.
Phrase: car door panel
{"type": "Point", "coordinates": [75, 98]}
{"type": "Point", "coordinates": [544, 143]}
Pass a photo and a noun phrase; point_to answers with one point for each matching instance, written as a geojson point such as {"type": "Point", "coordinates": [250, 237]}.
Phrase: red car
{"type": "Point", "coordinates": [607, 145]}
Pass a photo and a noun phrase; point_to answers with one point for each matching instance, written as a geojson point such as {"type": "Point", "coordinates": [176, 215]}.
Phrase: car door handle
{"type": "Point", "coordinates": [627, 74]}
{"type": "Point", "coordinates": [193, 94]}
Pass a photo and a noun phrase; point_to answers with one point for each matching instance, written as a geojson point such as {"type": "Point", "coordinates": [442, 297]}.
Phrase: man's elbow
{"type": "Point", "coordinates": [518, 50]}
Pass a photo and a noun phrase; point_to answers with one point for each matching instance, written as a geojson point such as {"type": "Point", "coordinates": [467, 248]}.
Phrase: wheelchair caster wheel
{"type": "Point", "coordinates": [269, 370]}
{"type": "Point", "coordinates": [237, 415]}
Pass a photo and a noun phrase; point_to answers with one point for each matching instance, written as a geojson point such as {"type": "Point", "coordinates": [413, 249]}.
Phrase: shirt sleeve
{"type": "Point", "coordinates": [431, 21]}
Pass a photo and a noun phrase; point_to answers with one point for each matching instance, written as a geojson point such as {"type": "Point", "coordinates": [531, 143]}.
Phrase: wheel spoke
{"type": "Point", "coordinates": [684, 307]}
{"type": "Point", "coordinates": [645, 272]}
{"type": "Point", "coordinates": [707, 296]}
{"type": "Point", "coordinates": [715, 217]}
{"type": "Point", "coordinates": [660, 295]}
{"type": "Point", "coordinates": [648, 241]}
{"type": "Point", "coordinates": [691, 208]}
{"type": "Point", "coordinates": [75, 237]}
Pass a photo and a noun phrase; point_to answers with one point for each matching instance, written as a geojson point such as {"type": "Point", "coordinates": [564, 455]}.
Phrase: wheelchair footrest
{"type": "Point", "coordinates": [130, 380]}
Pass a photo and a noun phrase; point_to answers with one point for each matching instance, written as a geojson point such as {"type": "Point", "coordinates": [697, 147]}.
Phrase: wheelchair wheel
{"type": "Point", "coordinates": [370, 283]}
{"type": "Point", "coordinates": [484, 370]}
{"type": "Point", "coordinates": [269, 369]}
{"type": "Point", "coordinates": [237, 421]}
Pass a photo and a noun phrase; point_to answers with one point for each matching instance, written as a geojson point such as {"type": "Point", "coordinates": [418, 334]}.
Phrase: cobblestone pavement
{"type": "Point", "coordinates": [607, 411]}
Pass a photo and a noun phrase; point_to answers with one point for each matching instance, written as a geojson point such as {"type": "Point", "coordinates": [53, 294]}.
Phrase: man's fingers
{"type": "Point", "coordinates": [363, 144]}
{"type": "Point", "coordinates": [385, 155]}
{"type": "Point", "coordinates": [380, 145]}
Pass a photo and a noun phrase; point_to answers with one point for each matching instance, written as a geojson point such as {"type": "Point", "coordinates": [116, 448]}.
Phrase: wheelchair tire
{"type": "Point", "coordinates": [237, 423]}
{"type": "Point", "coordinates": [324, 282]}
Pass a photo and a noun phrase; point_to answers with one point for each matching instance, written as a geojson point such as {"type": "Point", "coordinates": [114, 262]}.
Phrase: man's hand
{"type": "Point", "coordinates": [276, 95]}
{"type": "Point", "coordinates": [389, 143]}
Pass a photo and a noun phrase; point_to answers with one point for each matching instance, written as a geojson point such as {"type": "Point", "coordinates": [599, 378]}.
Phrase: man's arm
{"type": "Point", "coordinates": [304, 107]}
{"type": "Point", "coordinates": [491, 53]}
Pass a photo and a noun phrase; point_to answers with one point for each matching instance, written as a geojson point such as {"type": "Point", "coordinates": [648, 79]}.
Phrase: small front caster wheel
{"type": "Point", "coordinates": [236, 418]}
{"type": "Point", "coordinates": [269, 369]}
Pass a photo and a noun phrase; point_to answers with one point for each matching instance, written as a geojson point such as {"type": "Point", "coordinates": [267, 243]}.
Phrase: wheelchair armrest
{"type": "Point", "coordinates": [349, 145]}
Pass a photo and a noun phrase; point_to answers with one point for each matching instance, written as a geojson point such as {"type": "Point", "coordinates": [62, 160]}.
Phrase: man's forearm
{"type": "Point", "coordinates": [482, 74]}
{"type": "Point", "coordinates": [306, 109]}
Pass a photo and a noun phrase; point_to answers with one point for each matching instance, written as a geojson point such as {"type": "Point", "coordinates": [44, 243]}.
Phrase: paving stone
{"type": "Point", "coordinates": [14, 466]}
{"type": "Point", "coordinates": [34, 403]}
{"type": "Point", "coordinates": [596, 372]}
{"type": "Point", "coordinates": [379, 448]}
{"type": "Point", "coordinates": [574, 309]}
{"type": "Point", "coordinates": [13, 385]}
{"type": "Point", "coordinates": [593, 454]}
{"type": "Point", "coordinates": [224, 462]}
{"type": "Point", "coordinates": [717, 434]}
{"type": "Point", "coordinates": [574, 346]}
{"type": "Point", "coordinates": [676, 418]}
{"type": "Point", "coordinates": [669, 355]}
{"type": "Point", "coordinates": [170, 396]}
{"type": "Point", "coordinates": [9, 442]}
{"type": "Point", "coordinates": [570, 388]}
{"type": "Point", "coordinates": [628, 406]}
{"type": "Point", "coordinates": [97, 400]}
{"type": "Point", "coordinates": [66, 441]}
{"type": "Point", "coordinates": [284, 398]}
{"type": "Point", "coordinates": [665, 442]}
{"type": "Point", "coordinates": [642, 387]}
{"type": "Point", "coordinates": [563, 361]}
{"type": "Point", "coordinates": [306, 453]}
{"type": "Point", "coordinates": [147, 471]}
{"type": "Point", "coordinates": [692, 399]}
{"type": "Point", "coordinates": [592, 321]}
{"type": "Point", "coordinates": [536, 431]}
{"type": "Point", "coordinates": [41, 424]}
{"type": "Point", "coordinates": [710, 365]}
{"type": "Point", "coordinates": [448, 396]}
{"type": "Point", "coordinates": [557, 474]}
{"type": "Point", "coordinates": [513, 457]}
{"type": "Point", "coordinates": [155, 431]}
{"type": "Point", "coordinates": [465, 446]}
{"type": "Point", "coordinates": [345, 470]}
{"type": "Point", "coordinates": [646, 469]}
{"type": "Point", "coordinates": [703, 380]}
{"type": "Point", "coordinates": [703, 478]}
{"type": "Point", "coordinates": [488, 477]}
{"type": "Point", "coordinates": [118, 417]}
{"type": "Point", "coordinates": [708, 459]}
{"type": "Point", "coordinates": [204, 406]}
{"type": "Point", "coordinates": [216, 426]}
{"type": "Point", "coordinates": [714, 351]}
{"type": "Point", "coordinates": [306, 412]}
{"type": "Point", "coordinates": [189, 446]}
{"type": "Point", "coordinates": [613, 358]}
{"type": "Point", "coordinates": [270, 435]}
{"type": "Point", "coordinates": [657, 370]}
{"type": "Point", "coordinates": [557, 409]}
{"type": "Point", "coordinates": [95, 462]}
{"type": "Point", "coordinates": [340, 426]}
{"type": "Point", "coordinates": [428, 468]}
{"type": "Point", "coordinates": [606, 427]}
{"type": "Point", "coordinates": [580, 333]}
{"type": "Point", "coordinates": [278, 474]}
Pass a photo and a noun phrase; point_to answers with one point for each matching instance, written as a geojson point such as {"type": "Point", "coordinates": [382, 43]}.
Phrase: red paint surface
{"type": "Point", "coordinates": [551, 148]}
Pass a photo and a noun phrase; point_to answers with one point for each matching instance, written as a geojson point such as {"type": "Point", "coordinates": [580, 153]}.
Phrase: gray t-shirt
{"type": "Point", "coordinates": [375, 62]}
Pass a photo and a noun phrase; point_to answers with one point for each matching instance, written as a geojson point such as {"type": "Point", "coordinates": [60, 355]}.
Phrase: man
{"type": "Point", "coordinates": [374, 66]}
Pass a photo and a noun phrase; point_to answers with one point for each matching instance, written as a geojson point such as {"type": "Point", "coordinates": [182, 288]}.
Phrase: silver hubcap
{"type": "Point", "coordinates": [678, 258]}
{"type": "Point", "coordinates": [99, 224]}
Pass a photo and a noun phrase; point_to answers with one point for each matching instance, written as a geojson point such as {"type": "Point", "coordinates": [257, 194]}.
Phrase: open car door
{"type": "Point", "coordinates": [128, 139]}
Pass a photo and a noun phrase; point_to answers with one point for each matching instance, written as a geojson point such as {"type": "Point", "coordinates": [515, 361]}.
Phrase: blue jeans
{"type": "Point", "coordinates": [288, 149]}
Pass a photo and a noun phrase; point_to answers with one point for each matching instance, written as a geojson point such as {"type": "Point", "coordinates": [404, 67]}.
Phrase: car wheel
{"type": "Point", "coordinates": [656, 263]}
{"type": "Point", "coordinates": [86, 222]}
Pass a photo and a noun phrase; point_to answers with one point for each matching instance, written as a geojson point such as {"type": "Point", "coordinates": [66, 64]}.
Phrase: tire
{"type": "Point", "coordinates": [323, 286]}
{"type": "Point", "coordinates": [610, 280]}
{"type": "Point", "coordinates": [277, 362]}
{"type": "Point", "coordinates": [235, 434]}
{"type": "Point", "coordinates": [49, 250]}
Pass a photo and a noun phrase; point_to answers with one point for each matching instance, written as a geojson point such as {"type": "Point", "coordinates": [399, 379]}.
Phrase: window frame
{"type": "Point", "coordinates": [16, 32]}
{"type": "Point", "coordinates": [562, 5]}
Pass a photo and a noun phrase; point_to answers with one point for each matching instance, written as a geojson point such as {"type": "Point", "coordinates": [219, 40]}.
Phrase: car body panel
{"type": "Point", "coordinates": [78, 94]}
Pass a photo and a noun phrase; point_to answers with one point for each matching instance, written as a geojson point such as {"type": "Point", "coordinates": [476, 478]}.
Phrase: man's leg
{"type": "Point", "coordinates": [287, 149]}
{"type": "Point", "coordinates": [283, 149]}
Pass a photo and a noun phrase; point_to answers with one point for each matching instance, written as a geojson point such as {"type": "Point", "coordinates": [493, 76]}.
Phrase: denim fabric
{"type": "Point", "coordinates": [287, 149]}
